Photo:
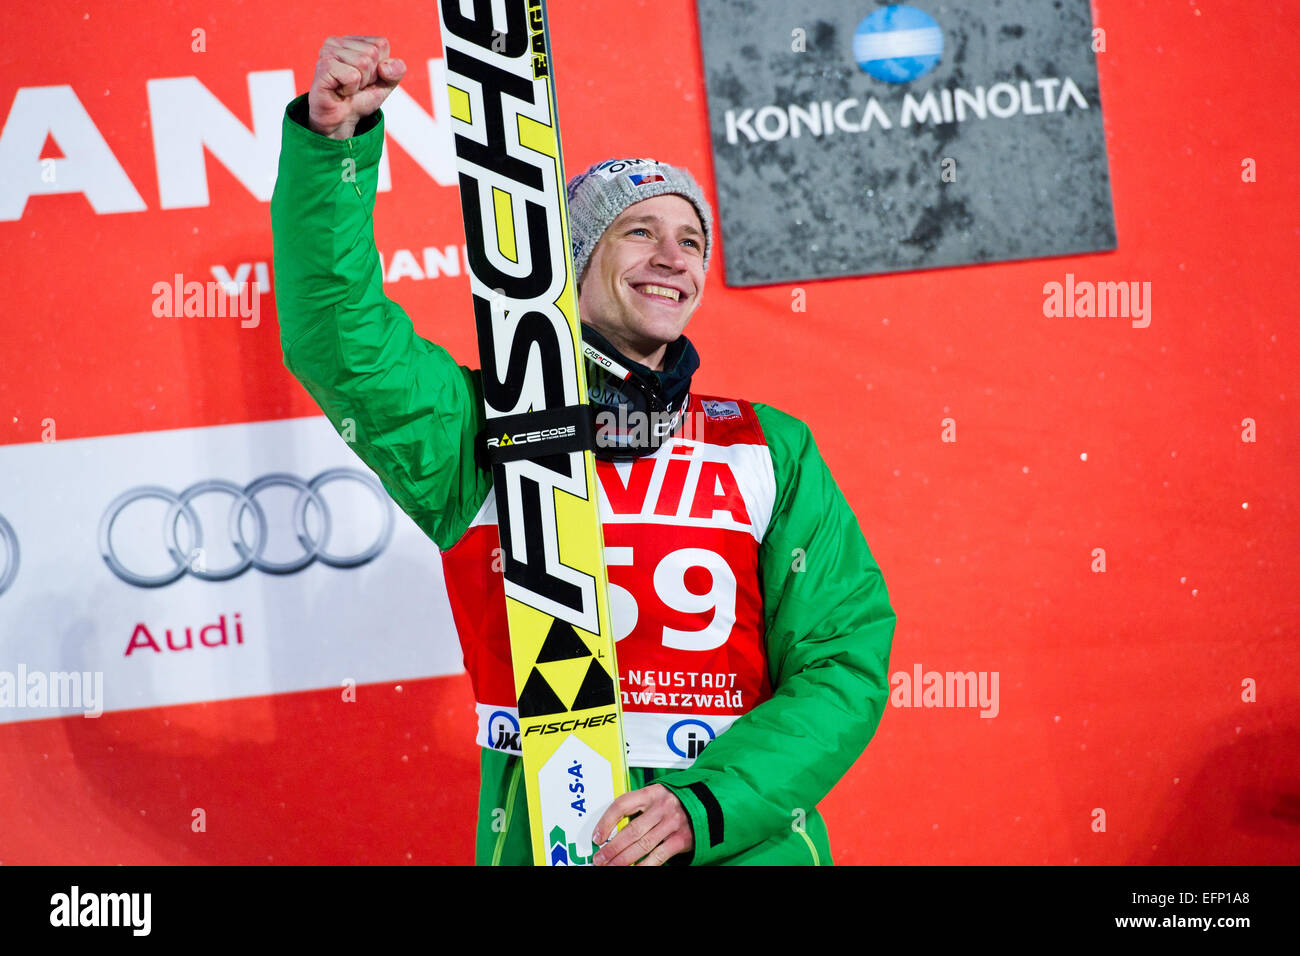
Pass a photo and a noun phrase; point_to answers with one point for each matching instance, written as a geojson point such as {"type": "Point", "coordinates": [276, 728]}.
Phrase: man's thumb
{"type": "Point", "coordinates": [391, 71]}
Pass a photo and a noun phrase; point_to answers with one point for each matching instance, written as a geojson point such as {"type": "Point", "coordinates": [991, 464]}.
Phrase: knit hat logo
{"type": "Point", "coordinates": [612, 168]}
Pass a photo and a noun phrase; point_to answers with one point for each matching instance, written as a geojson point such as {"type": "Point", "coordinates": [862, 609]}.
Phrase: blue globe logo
{"type": "Point", "coordinates": [898, 43]}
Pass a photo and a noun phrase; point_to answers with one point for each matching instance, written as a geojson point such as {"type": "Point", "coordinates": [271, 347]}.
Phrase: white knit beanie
{"type": "Point", "coordinates": [598, 196]}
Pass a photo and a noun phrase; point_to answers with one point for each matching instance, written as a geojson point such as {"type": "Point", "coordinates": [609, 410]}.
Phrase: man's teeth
{"type": "Point", "coordinates": [660, 290]}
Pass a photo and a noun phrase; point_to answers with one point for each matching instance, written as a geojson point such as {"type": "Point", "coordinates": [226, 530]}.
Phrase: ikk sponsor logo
{"type": "Point", "coordinates": [503, 731]}
{"type": "Point", "coordinates": [687, 741]}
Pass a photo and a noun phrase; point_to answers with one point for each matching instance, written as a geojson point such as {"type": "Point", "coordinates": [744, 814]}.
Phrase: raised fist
{"type": "Point", "coordinates": [354, 76]}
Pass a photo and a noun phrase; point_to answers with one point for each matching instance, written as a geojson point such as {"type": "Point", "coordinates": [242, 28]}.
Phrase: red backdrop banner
{"type": "Point", "coordinates": [1144, 713]}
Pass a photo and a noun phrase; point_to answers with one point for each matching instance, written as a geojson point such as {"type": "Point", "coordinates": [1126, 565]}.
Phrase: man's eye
{"type": "Point", "coordinates": [693, 242]}
{"type": "Point", "coordinates": [639, 229]}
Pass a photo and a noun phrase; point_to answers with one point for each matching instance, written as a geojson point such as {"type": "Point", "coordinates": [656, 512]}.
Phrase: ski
{"type": "Point", "coordinates": [539, 435]}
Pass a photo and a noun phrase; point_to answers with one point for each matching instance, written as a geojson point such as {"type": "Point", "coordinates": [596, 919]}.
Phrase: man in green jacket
{"type": "Point", "coordinates": [754, 624]}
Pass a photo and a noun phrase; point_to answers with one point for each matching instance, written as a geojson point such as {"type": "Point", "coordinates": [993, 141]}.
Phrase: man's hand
{"type": "Point", "coordinates": [354, 76]}
{"type": "Point", "coordinates": [659, 828]}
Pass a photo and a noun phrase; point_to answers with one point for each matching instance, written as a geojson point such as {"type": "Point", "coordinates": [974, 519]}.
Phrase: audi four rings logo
{"type": "Point", "coordinates": [243, 502]}
{"type": "Point", "coordinates": [10, 549]}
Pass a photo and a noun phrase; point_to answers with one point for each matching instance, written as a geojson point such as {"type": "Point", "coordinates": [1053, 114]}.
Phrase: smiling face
{"type": "Point", "coordinates": [645, 278]}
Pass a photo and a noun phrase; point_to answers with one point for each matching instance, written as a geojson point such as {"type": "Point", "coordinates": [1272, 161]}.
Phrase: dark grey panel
{"type": "Point", "coordinates": [867, 197]}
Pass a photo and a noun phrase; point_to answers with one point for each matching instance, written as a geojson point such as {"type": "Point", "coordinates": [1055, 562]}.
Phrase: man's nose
{"type": "Point", "coordinates": [669, 253]}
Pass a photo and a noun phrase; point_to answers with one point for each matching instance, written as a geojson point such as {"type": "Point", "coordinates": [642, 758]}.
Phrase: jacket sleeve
{"type": "Point", "coordinates": [408, 410]}
{"type": "Point", "coordinates": [829, 627]}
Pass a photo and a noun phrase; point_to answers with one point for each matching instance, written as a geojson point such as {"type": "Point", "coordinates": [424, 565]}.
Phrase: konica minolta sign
{"type": "Point", "coordinates": [852, 138]}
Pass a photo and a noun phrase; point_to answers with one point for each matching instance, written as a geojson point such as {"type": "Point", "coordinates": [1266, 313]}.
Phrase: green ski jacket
{"type": "Point", "coordinates": [752, 794]}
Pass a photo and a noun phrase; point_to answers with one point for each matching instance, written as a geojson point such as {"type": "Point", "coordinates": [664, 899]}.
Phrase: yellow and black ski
{"type": "Point", "coordinates": [539, 433]}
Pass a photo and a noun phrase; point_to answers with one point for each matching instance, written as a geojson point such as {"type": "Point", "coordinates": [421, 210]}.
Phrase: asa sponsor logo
{"type": "Point", "coordinates": [563, 851]}
{"type": "Point", "coordinates": [577, 788]}
{"type": "Point", "coordinates": [688, 737]}
{"type": "Point", "coordinates": [576, 784]}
